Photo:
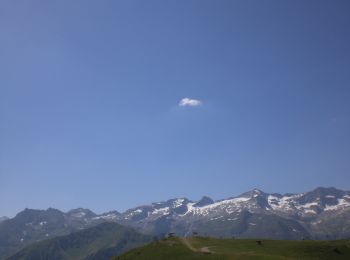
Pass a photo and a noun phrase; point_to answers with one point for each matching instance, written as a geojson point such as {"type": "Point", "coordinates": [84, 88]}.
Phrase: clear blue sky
{"type": "Point", "coordinates": [90, 92]}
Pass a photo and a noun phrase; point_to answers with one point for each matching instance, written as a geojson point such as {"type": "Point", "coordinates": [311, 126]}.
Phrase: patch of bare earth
{"type": "Point", "coordinates": [204, 249]}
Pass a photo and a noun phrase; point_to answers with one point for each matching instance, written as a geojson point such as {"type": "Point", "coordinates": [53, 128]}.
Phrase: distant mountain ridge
{"type": "Point", "coordinates": [99, 242]}
{"type": "Point", "coordinates": [309, 211]}
{"type": "Point", "coordinates": [323, 213]}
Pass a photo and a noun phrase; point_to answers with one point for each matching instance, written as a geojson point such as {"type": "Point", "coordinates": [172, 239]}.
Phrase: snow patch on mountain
{"type": "Point", "coordinates": [307, 207]}
{"type": "Point", "coordinates": [177, 203]}
{"type": "Point", "coordinates": [342, 204]}
{"type": "Point", "coordinates": [229, 206]}
{"type": "Point", "coordinates": [79, 214]}
{"type": "Point", "coordinates": [110, 216]}
{"type": "Point", "coordinates": [161, 211]}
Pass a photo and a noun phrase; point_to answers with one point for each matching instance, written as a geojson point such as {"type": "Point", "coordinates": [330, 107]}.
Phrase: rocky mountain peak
{"type": "Point", "coordinates": [253, 194]}
{"type": "Point", "coordinates": [81, 213]}
{"type": "Point", "coordinates": [204, 201]}
{"type": "Point", "coordinates": [322, 196]}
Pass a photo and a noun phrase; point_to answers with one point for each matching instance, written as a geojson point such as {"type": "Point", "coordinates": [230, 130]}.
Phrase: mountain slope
{"type": "Point", "coordinates": [98, 242]}
{"type": "Point", "coordinates": [247, 225]}
{"type": "Point", "coordinates": [31, 225]}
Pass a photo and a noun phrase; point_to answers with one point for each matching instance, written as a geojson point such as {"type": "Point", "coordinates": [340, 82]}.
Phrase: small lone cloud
{"type": "Point", "coordinates": [189, 102]}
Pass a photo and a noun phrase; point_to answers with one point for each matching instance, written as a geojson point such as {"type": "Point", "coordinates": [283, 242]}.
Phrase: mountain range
{"type": "Point", "coordinates": [323, 213]}
{"type": "Point", "coordinates": [99, 242]}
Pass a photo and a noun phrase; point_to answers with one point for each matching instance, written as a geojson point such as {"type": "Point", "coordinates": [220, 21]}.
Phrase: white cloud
{"type": "Point", "coordinates": [189, 102]}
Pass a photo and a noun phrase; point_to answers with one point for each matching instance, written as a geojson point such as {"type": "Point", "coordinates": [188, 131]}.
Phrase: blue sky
{"type": "Point", "coordinates": [90, 92]}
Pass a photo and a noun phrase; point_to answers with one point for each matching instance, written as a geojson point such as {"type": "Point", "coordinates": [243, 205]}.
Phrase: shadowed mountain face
{"type": "Point", "coordinates": [204, 201]}
{"type": "Point", "coordinates": [32, 225]}
{"type": "Point", "coordinates": [99, 242]}
{"type": "Point", "coordinates": [323, 213]}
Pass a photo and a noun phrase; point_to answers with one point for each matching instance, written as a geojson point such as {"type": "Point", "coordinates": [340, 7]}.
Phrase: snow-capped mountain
{"type": "Point", "coordinates": [310, 204]}
{"type": "Point", "coordinates": [323, 213]}
{"type": "Point", "coordinates": [306, 212]}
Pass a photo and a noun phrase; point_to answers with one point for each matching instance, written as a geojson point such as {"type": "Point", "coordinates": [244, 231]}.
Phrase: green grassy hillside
{"type": "Point", "coordinates": [211, 248]}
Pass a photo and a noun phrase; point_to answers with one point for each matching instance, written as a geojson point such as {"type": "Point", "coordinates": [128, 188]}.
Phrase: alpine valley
{"type": "Point", "coordinates": [323, 213]}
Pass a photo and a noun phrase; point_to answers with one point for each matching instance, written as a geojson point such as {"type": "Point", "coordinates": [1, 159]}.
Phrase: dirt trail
{"type": "Point", "coordinates": [188, 244]}
{"type": "Point", "coordinates": [205, 250]}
